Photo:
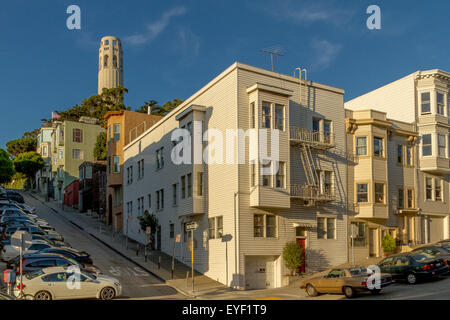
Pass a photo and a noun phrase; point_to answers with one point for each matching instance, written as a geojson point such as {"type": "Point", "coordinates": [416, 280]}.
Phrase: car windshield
{"type": "Point", "coordinates": [421, 257]}
{"type": "Point", "coordinates": [34, 274]}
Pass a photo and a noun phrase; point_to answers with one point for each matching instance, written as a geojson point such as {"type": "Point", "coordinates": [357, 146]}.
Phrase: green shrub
{"type": "Point", "coordinates": [293, 256]}
{"type": "Point", "coordinates": [388, 243]}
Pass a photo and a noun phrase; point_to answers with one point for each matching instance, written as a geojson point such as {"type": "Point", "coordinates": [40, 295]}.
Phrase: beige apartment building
{"type": "Point", "coordinates": [382, 182]}
{"type": "Point", "coordinates": [122, 127]}
{"type": "Point", "coordinates": [247, 212]}
{"type": "Point", "coordinates": [414, 113]}
{"type": "Point", "coordinates": [44, 148]}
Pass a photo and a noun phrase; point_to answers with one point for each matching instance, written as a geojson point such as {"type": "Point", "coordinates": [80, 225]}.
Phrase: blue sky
{"type": "Point", "coordinates": [173, 48]}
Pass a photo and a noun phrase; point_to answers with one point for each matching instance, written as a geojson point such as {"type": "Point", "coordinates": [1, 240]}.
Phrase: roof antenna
{"type": "Point", "coordinates": [273, 51]}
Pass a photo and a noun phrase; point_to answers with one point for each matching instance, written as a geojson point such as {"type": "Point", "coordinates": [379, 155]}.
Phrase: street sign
{"type": "Point", "coordinates": [16, 240]}
{"type": "Point", "coordinates": [191, 226]}
{"type": "Point", "coordinates": [178, 238]}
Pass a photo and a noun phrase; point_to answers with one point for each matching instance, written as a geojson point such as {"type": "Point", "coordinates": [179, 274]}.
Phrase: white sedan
{"type": "Point", "coordinates": [63, 283]}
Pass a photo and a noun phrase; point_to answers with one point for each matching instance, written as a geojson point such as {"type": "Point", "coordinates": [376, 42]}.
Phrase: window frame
{"type": "Point", "coordinates": [428, 145]}
{"type": "Point", "coordinates": [425, 102]}
{"type": "Point", "coordinates": [357, 147]}
{"type": "Point", "coordinates": [362, 192]}
{"type": "Point", "coordinates": [381, 145]}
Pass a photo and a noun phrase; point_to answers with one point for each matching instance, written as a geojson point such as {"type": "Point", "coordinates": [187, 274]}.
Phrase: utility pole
{"type": "Point", "coordinates": [192, 262]}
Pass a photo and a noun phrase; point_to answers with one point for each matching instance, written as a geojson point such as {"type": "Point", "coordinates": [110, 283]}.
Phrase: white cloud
{"type": "Point", "coordinates": [307, 12]}
{"type": "Point", "coordinates": [155, 28]}
{"type": "Point", "coordinates": [189, 41]}
{"type": "Point", "coordinates": [325, 53]}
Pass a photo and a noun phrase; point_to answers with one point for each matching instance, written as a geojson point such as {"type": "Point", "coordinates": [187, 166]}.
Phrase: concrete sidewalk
{"type": "Point", "coordinates": [158, 263]}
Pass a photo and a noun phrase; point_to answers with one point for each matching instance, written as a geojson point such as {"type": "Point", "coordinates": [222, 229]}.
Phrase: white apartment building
{"type": "Point", "coordinates": [245, 218]}
{"type": "Point", "coordinates": [421, 99]}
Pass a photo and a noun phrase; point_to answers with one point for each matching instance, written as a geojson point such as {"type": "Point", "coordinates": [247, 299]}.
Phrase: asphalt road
{"type": "Point", "coordinates": [136, 282]}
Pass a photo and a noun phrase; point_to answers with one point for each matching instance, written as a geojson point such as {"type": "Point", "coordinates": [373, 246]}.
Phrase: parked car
{"type": "Point", "coordinates": [9, 252]}
{"type": "Point", "coordinates": [36, 261]}
{"type": "Point", "coordinates": [444, 243]}
{"type": "Point", "coordinates": [413, 267]}
{"type": "Point", "coordinates": [29, 229]}
{"type": "Point", "coordinates": [15, 211]}
{"type": "Point", "coordinates": [51, 283]}
{"type": "Point", "coordinates": [47, 228]}
{"type": "Point", "coordinates": [79, 256]}
{"type": "Point", "coordinates": [436, 251]}
{"type": "Point", "coordinates": [56, 244]}
{"type": "Point", "coordinates": [12, 195]}
{"type": "Point", "coordinates": [347, 281]}
{"type": "Point", "coordinates": [5, 296]}
{"type": "Point", "coordinates": [26, 208]}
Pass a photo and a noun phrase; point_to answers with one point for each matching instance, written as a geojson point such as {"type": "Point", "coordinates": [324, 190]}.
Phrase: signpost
{"type": "Point", "coordinates": [353, 233]}
{"type": "Point", "coordinates": [191, 226]}
{"type": "Point", "coordinates": [177, 239]}
{"type": "Point", "coordinates": [20, 240]}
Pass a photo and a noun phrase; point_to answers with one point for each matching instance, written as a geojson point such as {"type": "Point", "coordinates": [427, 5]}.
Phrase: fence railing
{"type": "Point", "coordinates": [312, 137]}
{"type": "Point", "coordinates": [313, 192]}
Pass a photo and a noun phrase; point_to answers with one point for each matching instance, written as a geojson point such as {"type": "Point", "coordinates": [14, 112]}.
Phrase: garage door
{"type": "Point", "coordinates": [259, 272]}
{"type": "Point", "coordinates": [436, 228]}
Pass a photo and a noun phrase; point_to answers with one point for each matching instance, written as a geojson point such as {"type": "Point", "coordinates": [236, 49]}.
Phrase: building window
{"type": "Point", "coordinates": [400, 154]}
{"type": "Point", "coordinates": [401, 200]}
{"type": "Point", "coordinates": [410, 198]}
{"type": "Point", "coordinates": [174, 194]}
{"type": "Point", "coordinates": [315, 125]}
{"type": "Point", "coordinates": [264, 225]}
{"type": "Point", "coordinates": [77, 135]}
{"type": "Point", "coordinates": [116, 164]}
{"type": "Point", "coordinates": [172, 231]}
{"type": "Point", "coordinates": [219, 226]}
{"type": "Point", "coordinates": [44, 151]}
{"type": "Point", "coordinates": [426, 145]}
{"type": "Point", "coordinates": [189, 185]}
{"type": "Point", "coordinates": [362, 192]}
{"type": "Point", "coordinates": [379, 193]}
{"type": "Point", "coordinates": [425, 102]}
{"type": "Point", "coordinates": [441, 145]}
{"type": "Point", "coordinates": [266, 115]}
{"type": "Point", "coordinates": [61, 154]}
{"type": "Point", "coordinates": [160, 158]}
{"type": "Point", "coordinates": [183, 187]}
{"type": "Point", "coordinates": [279, 117]}
{"type": "Point", "coordinates": [253, 174]}
{"type": "Point", "coordinates": [437, 190]}
{"type": "Point", "coordinates": [270, 226]}
{"type": "Point", "coordinates": [361, 146]}
{"type": "Point", "coordinates": [258, 225]}
{"type": "Point", "coordinates": [327, 131]}
{"type": "Point", "coordinates": [211, 228]}
{"type": "Point", "coordinates": [326, 228]}
{"type": "Point", "coordinates": [116, 131]}
{"type": "Point", "coordinates": [140, 169]}
{"type": "Point", "coordinates": [160, 199]}
{"type": "Point", "coordinates": [140, 207]}
{"type": "Point", "coordinates": [130, 175]}
{"type": "Point", "coordinates": [409, 156]}
{"type": "Point", "coordinates": [429, 188]}
{"type": "Point", "coordinates": [267, 178]}
{"type": "Point", "coordinates": [378, 147]}
{"type": "Point", "coordinates": [440, 103]}
{"type": "Point", "coordinates": [200, 183]}
{"type": "Point", "coordinates": [77, 154]}
{"type": "Point", "coordinates": [252, 115]}
{"type": "Point", "coordinates": [359, 234]}
{"type": "Point", "coordinates": [280, 176]}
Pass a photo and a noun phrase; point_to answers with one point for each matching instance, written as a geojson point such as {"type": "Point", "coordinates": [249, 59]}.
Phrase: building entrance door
{"type": "Point", "coordinates": [373, 242]}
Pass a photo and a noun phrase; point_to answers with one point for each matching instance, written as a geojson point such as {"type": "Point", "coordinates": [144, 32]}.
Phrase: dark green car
{"type": "Point", "coordinates": [413, 267]}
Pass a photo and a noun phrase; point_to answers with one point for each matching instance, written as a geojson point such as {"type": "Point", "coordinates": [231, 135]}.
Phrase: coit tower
{"type": "Point", "coordinates": [110, 63]}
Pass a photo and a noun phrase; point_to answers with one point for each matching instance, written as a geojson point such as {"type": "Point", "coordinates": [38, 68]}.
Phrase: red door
{"type": "Point", "coordinates": [302, 242]}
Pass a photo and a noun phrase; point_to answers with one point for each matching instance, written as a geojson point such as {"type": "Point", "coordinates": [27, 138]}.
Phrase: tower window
{"type": "Point", "coordinates": [107, 42]}
{"type": "Point", "coordinates": [115, 61]}
{"type": "Point", "coordinates": [105, 60]}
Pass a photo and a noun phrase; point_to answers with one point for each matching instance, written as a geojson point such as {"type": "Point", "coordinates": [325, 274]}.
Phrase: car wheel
{"type": "Point", "coordinates": [311, 291]}
{"type": "Point", "coordinates": [349, 292]}
{"type": "Point", "coordinates": [411, 278]}
{"type": "Point", "coordinates": [375, 291]}
{"type": "Point", "coordinates": [43, 295]}
{"type": "Point", "coordinates": [107, 293]}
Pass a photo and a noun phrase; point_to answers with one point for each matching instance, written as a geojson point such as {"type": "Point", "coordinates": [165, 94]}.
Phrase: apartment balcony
{"type": "Point", "coordinates": [265, 197]}
{"type": "Point", "coordinates": [370, 210]}
{"type": "Point", "coordinates": [316, 139]}
{"type": "Point", "coordinates": [435, 165]}
{"type": "Point", "coordinates": [315, 193]}
{"type": "Point", "coordinates": [191, 206]}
